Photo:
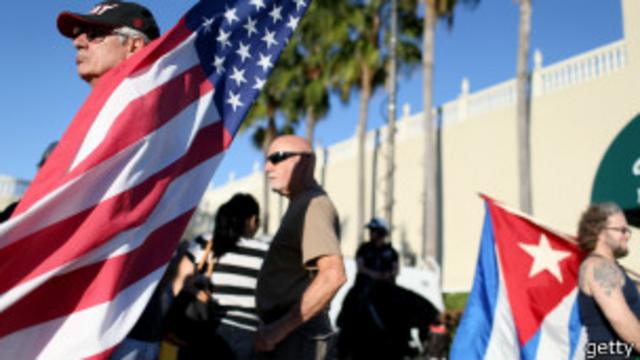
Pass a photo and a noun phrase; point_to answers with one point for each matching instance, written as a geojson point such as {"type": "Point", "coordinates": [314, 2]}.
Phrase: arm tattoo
{"type": "Point", "coordinates": [607, 276]}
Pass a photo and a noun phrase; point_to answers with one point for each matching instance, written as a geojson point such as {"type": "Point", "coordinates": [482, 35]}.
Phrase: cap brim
{"type": "Point", "coordinates": [68, 21]}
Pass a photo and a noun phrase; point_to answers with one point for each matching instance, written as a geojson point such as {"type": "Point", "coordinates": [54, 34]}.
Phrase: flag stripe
{"type": "Point", "coordinates": [85, 287]}
{"type": "Point", "coordinates": [44, 248]}
{"type": "Point", "coordinates": [169, 99]}
{"type": "Point", "coordinates": [77, 336]}
{"type": "Point", "coordinates": [117, 174]}
{"type": "Point", "coordinates": [184, 188]}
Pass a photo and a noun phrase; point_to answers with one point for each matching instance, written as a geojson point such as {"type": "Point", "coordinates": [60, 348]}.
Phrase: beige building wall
{"type": "Point", "coordinates": [578, 107]}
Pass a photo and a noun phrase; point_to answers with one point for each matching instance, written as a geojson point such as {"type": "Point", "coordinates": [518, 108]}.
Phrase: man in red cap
{"type": "Point", "coordinates": [107, 35]}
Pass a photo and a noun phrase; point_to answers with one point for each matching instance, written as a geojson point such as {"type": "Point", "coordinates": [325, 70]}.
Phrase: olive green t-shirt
{"type": "Point", "coordinates": [309, 229]}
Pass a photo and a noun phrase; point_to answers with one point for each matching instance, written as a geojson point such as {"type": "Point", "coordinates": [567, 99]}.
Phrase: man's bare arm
{"type": "Point", "coordinates": [605, 280]}
{"type": "Point", "coordinates": [330, 277]}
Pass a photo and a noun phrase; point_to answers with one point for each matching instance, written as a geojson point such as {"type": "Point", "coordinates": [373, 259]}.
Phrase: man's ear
{"type": "Point", "coordinates": [135, 44]}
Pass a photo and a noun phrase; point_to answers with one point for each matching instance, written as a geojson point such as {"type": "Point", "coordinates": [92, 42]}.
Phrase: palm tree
{"type": "Point", "coordinates": [317, 41]}
{"type": "Point", "coordinates": [410, 54]}
{"type": "Point", "coordinates": [523, 107]}
{"type": "Point", "coordinates": [361, 65]}
{"type": "Point", "coordinates": [434, 10]}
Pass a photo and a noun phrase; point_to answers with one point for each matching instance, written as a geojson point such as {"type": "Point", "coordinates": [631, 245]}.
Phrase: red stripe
{"type": "Point", "coordinates": [51, 176]}
{"type": "Point", "coordinates": [146, 114]}
{"type": "Point", "coordinates": [94, 284]}
{"type": "Point", "coordinates": [75, 236]}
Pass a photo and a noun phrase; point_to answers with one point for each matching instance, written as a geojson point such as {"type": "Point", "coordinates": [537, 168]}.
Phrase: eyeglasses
{"type": "Point", "coordinates": [95, 35]}
{"type": "Point", "coordinates": [280, 156]}
{"type": "Point", "coordinates": [622, 229]}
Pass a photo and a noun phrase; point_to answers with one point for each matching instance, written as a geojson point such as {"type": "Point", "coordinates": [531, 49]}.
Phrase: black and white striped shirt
{"type": "Point", "coordinates": [234, 283]}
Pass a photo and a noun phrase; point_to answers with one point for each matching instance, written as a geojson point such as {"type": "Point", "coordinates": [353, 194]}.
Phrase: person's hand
{"type": "Point", "coordinates": [268, 336]}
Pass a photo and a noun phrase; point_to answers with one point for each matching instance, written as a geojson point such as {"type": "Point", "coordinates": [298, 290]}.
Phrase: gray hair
{"type": "Point", "coordinates": [126, 32]}
{"type": "Point", "coordinates": [592, 222]}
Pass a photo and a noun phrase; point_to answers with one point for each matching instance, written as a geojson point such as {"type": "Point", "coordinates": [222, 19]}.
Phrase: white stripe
{"type": "Point", "coordinates": [503, 343]}
{"type": "Point", "coordinates": [244, 261]}
{"type": "Point", "coordinates": [117, 174]}
{"type": "Point", "coordinates": [253, 244]}
{"type": "Point", "coordinates": [84, 333]}
{"type": "Point", "coordinates": [554, 332]}
{"type": "Point", "coordinates": [180, 59]}
{"type": "Point", "coordinates": [236, 324]}
{"type": "Point", "coordinates": [242, 314]}
{"type": "Point", "coordinates": [247, 301]}
{"type": "Point", "coordinates": [220, 278]}
{"type": "Point", "coordinates": [188, 188]}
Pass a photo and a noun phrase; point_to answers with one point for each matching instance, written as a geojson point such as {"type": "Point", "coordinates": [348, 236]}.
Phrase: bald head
{"type": "Point", "coordinates": [290, 165]}
{"type": "Point", "coordinates": [291, 143]}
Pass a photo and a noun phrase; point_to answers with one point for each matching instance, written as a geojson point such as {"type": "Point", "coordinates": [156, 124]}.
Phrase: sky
{"type": "Point", "coordinates": [41, 92]}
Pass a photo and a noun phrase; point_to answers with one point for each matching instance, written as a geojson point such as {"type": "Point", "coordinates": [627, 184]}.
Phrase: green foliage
{"type": "Point", "coordinates": [455, 301]}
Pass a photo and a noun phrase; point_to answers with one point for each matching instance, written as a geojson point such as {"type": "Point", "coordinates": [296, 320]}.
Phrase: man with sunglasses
{"type": "Point", "coordinates": [109, 34]}
{"type": "Point", "coordinates": [608, 299]}
{"type": "Point", "coordinates": [303, 269]}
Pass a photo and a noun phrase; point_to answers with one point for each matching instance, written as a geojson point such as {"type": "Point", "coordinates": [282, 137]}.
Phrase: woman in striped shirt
{"type": "Point", "coordinates": [238, 260]}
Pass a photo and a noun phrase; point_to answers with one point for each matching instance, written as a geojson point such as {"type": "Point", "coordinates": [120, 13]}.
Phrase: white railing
{"type": "Point", "coordinates": [590, 65]}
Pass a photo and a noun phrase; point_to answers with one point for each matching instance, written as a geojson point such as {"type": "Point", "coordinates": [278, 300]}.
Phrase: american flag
{"type": "Point", "coordinates": [93, 234]}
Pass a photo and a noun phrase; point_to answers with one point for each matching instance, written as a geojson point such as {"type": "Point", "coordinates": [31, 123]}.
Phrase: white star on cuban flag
{"type": "Point", "coordinates": [545, 257]}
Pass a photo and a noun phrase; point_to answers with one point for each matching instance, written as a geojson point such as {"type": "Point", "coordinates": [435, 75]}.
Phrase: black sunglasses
{"type": "Point", "coordinates": [280, 156]}
{"type": "Point", "coordinates": [94, 34]}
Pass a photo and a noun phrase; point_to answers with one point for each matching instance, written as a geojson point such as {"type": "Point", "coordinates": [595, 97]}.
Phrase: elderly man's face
{"type": "Point", "coordinates": [285, 173]}
{"type": "Point", "coordinates": [98, 54]}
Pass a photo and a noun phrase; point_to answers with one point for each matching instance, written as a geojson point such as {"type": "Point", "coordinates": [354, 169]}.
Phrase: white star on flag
{"type": "Point", "coordinates": [234, 100]}
{"type": "Point", "coordinates": [276, 13]}
{"type": "Point", "coordinates": [223, 38]}
{"type": "Point", "coordinates": [269, 38]}
{"type": "Point", "coordinates": [293, 22]}
{"type": "Point", "coordinates": [299, 4]}
{"type": "Point", "coordinates": [243, 51]}
{"type": "Point", "coordinates": [206, 24]}
{"type": "Point", "coordinates": [545, 258]}
{"type": "Point", "coordinates": [218, 63]}
{"type": "Point", "coordinates": [257, 3]}
{"type": "Point", "coordinates": [250, 26]}
{"type": "Point", "coordinates": [259, 83]}
{"type": "Point", "coordinates": [238, 76]}
{"type": "Point", "coordinates": [230, 15]}
{"type": "Point", "coordinates": [265, 62]}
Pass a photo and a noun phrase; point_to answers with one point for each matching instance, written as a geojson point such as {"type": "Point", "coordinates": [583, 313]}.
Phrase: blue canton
{"type": "Point", "coordinates": [238, 44]}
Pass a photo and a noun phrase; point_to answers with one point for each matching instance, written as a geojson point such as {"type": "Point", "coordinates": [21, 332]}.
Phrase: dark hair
{"type": "Point", "coordinates": [592, 222]}
{"type": "Point", "coordinates": [230, 222]}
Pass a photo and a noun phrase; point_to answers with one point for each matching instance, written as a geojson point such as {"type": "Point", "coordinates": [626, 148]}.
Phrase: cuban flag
{"type": "Point", "coordinates": [523, 304]}
{"type": "Point", "coordinates": [95, 231]}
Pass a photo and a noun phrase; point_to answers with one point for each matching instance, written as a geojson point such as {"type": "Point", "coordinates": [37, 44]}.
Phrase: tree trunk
{"type": "Point", "coordinates": [270, 134]}
{"type": "Point", "coordinates": [361, 137]}
{"type": "Point", "coordinates": [523, 108]}
{"type": "Point", "coordinates": [391, 119]}
{"type": "Point", "coordinates": [431, 222]}
{"type": "Point", "coordinates": [311, 123]}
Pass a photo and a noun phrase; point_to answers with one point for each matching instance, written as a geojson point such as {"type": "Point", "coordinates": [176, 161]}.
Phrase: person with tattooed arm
{"type": "Point", "coordinates": [608, 299]}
